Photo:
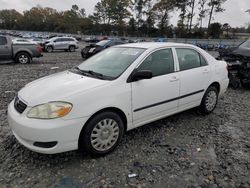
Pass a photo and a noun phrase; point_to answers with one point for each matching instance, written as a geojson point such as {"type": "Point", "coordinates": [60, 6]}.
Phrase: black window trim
{"type": "Point", "coordinates": [153, 51]}
{"type": "Point", "coordinates": [175, 48]}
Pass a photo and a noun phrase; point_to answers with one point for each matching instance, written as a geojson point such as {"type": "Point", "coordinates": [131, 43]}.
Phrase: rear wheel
{"type": "Point", "coordinates": [102, 133]}
{"type": "Point", "coordinates": [72, 48]}
{"type": "Point", "coordinates": [209, 100]}
{"type": "Point", "coordinates": [23, 58]}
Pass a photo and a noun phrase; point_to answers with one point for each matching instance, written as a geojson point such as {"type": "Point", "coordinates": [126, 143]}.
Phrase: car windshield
{"type": "Point", "coordinates": [103, 43]}
{"type": "Point", "coordinates": [112, 62]}
{"type": "Point", "coordinates": [245, 44]}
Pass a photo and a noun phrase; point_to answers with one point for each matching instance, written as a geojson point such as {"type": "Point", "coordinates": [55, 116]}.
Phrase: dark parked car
{"type": "Point", "coordinates": [92, 49]}
{"type": "Point", "coordinates": [238, 59]}
{"type": "Point", "coordinates": [236, 53]}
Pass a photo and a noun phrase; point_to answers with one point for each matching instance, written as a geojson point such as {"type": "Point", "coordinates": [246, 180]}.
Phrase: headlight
{"type": "Point", "coordinates": [50, 110]}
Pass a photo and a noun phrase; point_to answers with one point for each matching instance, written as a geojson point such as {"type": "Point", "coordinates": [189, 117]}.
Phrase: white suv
{"type": "Point", "coordinates": [61, 43]}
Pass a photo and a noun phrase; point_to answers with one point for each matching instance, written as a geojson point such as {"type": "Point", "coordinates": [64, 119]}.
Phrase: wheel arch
{"type": "Point", "coordinates": [108, 109]}
{"type": "Point", "coordinates": [23, 51]}
{"type": "Point", "coordinates": [216, 85]}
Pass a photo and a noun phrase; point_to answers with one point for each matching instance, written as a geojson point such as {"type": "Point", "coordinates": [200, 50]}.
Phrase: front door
{"type": "Point", "coordinates": [5, 49]}
{"type": "Point", "coordinates": [58, 45]}
{"type": "Point", "coordinates": [156, 97]}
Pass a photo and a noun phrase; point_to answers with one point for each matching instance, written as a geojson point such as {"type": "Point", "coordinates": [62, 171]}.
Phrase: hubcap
{"type": "Point", "coordinates": [23, 59]}
{"type": "Point", "coordinates": [49, 49]}
{"type": "Point", "coordinates": [72, 49]}
{"type": "Point", "coordinates": [104, 135]}
{"type": "Point", "coordinates": [211, 100]}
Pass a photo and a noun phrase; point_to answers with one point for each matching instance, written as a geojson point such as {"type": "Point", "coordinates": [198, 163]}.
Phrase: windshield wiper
{"type": "Point", "coordinates": [91, 73]}
{"type": "Point", "coordinates": [80, 71]}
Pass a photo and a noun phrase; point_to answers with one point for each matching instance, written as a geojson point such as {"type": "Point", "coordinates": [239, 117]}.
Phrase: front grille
{"type": "Point", "coordinates": [19, 105]}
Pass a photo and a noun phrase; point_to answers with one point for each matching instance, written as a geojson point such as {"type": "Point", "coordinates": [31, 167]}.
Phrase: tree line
{"type": "Point", "coordinates": [123, 17]}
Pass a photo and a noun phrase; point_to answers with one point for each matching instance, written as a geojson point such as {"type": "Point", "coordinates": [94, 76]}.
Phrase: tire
{"type": "Point", "coordinates": [72, 48]}
{"type": "Point", "coordinates": [244, 84]}
{"type": "Point", "coordinates": [103, 130]}
{"type": "Point", "coordinates": [49, 49]}
{"type": "Point", "coordinates": [23, 58]}
{"type": "Point", "coordinates": [209, 100]}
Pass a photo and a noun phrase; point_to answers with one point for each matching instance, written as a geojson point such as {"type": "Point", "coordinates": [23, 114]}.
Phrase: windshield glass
{"type": "Point", "coordinates": [245, 44]}
{"type": "Point", "coordinates": [103, 42]}
{"type": "Point", "coordinates": [112, 62]}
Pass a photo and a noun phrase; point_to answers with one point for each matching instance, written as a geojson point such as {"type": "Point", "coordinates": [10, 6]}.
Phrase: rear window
{"type": "Point", "coordinates": [3, 41]}
{"type": "Point", "coordinates": [67, 39]}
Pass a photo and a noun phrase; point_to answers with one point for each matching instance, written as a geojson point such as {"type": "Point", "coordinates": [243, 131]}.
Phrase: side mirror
{"type": "Point", "coordinates": [140, 75]}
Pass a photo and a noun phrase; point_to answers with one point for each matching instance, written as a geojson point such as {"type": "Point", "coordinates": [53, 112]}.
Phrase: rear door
{"type": "Point", "coordinates": [195, 76]}
{"type": "Point", "coordinates": [5, 49]}
{"type": "Point", "coordinates": [66, 42]}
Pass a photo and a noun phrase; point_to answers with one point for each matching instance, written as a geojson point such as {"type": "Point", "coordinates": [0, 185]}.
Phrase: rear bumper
{"type": "Point", "coordinates": [223, 86]}
{"type": "Point", "coordinates": [40, 55]}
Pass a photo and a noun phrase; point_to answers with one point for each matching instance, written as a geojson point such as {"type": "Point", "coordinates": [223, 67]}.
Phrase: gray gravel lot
{"type": "Point", "coordinates": [185, 150]}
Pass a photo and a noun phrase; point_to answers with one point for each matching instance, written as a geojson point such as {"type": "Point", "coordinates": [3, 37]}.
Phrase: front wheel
{"type": "Point", "coordinates": [102, 133]}
{"type": "Point", "coordinates": [209, 100]}
{"type": "Point", "coordinates": [23, 58]}
{"type": "Point", "coordinates": [72, 48]}
{"type": "Point", "coordinates": [49, 49]}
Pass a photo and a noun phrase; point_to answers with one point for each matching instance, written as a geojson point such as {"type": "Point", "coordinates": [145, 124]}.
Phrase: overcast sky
{"type": "Point", "coordinates": [235, 13]}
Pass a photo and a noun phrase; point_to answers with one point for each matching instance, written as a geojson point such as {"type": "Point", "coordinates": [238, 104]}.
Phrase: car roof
{"type": "Point", "coordinates": [149, 45]}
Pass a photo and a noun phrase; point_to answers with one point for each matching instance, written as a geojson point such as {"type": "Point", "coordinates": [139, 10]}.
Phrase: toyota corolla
{"type": "Point", "coordinates": [91, 106]}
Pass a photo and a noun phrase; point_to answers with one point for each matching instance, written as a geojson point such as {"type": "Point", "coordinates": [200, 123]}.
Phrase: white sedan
{"type": "Point", "coordinates": [91, 106]}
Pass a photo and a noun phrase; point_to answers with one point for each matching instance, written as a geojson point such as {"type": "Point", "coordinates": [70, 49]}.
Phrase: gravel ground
{"type": "Point", "coordinates": [185, 150]}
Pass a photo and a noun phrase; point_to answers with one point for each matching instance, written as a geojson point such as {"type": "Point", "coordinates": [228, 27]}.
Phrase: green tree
{"type": "Point", "coordinates": [161, 12]}
{"type": "Point", "coordinates": [226, 27]}
{"type": "Point", "coordinates": [202, 11]}
{"type": "Point", "coordinates": [215, 30]}
{"type": "Point", "coordinates": [215, 6]}
{"type": "Point", "coordinates": [10, 19]}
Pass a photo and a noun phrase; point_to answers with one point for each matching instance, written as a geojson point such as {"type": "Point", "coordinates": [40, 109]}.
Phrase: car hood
{"type": "Point", "coordinates": [242, 52]}
{"type": "Point", "coordinates": [58, 87]}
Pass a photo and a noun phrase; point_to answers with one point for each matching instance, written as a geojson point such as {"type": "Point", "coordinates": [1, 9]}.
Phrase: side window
{"type": "Point", "coordinates": [189, 59]}
{"type": "Point", "coordinates": [203, 61]}
{"type": "Point", "coordinates": [118, 43]}
{"type": "Point", "coordinates": [58, 40]}
{"type": "Point", "coordinates": [3, 41]}
{"type": "Point", "coordinates": [68, 39]}
{"type": "Point", "coordinates": [160, 62]}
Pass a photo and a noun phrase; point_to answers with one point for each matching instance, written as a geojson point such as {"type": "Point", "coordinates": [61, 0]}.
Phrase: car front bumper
{"type": "Point", "coordinates": [64, 134]}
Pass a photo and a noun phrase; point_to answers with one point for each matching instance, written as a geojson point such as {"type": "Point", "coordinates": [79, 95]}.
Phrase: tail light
{"type": "Point", "coordinates": [39, 48]}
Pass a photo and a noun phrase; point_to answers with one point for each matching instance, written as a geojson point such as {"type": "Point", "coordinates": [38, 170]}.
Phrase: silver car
{"type": "Point", "coordinates": [61, 43]}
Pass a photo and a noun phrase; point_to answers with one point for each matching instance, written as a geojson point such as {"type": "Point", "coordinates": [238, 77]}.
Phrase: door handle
{"type": "Point", "coordinates": [174, 79]}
